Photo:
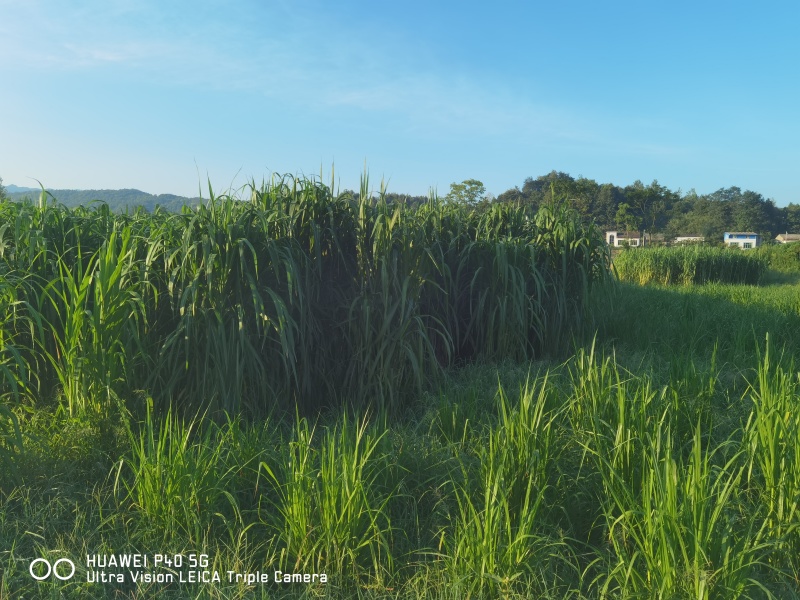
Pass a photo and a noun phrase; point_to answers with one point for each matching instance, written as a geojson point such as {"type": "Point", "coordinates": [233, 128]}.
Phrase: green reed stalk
{"type": "Point", "coordinates": [498, 543]}
{"type": "Point", "coordinates": [330, 518]}
{"type": "Point", "coordinates": [772, 438]}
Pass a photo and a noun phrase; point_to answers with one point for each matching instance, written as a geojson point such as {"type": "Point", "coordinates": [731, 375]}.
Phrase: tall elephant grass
{"type": "Point", "coordinates": [773, 449]}
{"type": "Point", "coordinates": [327, 509]}
{"type": "Point", "coordinates": [677, 513]}
{"type": "Point", "coordinates": [687, 265]}
{"type": "Point", "coordinates": [680, 534]}
{"type": "Point", "coordinates": [290, 296]}
{"type": "Point", "coordinates": [98, 310]}
{"type": "Point", "coordinates": [176, 475]}
{"type": "Point", "coordinates": [502, 540]}
{"type": "Point", "coordinates": [781, 257]}
{"type": "Point", "coordinates": [16, 378]}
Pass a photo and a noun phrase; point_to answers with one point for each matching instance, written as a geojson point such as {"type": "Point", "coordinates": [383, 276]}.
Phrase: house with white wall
{"type": "Point", "coordinates": [689, 239]}
{"type": "Point", "coordinates": [787, 238]}
{"type": "Point", "coordinates": [618, 239]}
{"type": "Point", "coordinates": [742, 239]}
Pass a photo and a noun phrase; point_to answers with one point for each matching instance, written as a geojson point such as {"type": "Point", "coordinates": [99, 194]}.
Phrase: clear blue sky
{"type": "Point", "coordinates": [147, 94]}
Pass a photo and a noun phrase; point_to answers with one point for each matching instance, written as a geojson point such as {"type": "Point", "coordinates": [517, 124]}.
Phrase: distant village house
{"type": "Point", "coordinates": [787, 238]}
{"type": "Point", "coordinates": [689, 239]}
{"type": "Point", "coordinates": [619, 239]}
{"type": "Point", "coordinates": [742, 239]}
{"type": "Point", "coordinates": [633, 239]}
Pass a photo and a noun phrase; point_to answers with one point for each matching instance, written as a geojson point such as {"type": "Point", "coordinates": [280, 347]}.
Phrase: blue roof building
{"type": "Point", "coordinates": [742, 239]}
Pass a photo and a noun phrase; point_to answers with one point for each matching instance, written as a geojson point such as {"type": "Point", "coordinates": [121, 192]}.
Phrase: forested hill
{"type": "Point", "coordinates": [655, 208]}
{"type": "Point", "coordinates": [117, 200]}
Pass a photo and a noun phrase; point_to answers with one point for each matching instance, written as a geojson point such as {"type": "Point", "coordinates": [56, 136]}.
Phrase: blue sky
{"type": "Point", "coordinates": [161, 95]}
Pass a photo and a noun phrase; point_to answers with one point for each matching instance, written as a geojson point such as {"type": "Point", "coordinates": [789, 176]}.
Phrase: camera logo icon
{"type": "Point", "coordinates": [55, 569]}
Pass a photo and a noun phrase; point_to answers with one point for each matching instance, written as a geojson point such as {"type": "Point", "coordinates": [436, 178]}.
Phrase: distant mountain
{"type": "Point", "coordinates": [13, 189]}
{"type": "Point", "coordinates": [117, 200]}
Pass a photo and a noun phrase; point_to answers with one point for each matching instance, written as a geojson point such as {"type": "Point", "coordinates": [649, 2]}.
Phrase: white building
{"type": "Point", "coordinates": [742, 239]}
{"type": "Point", "coordinates": [689, 239]}
{"type": "Point", "coordinates": [617, 239]}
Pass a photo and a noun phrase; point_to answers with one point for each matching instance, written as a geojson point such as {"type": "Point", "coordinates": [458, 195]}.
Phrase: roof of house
{"type": "Point", "coordinates": [788, 236]}
{"type": "Point", "coordinates": [741, 233]}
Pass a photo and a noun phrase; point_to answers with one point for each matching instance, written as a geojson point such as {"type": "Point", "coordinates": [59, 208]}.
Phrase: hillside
{"type": "Point", "coordinates": [117, 200]}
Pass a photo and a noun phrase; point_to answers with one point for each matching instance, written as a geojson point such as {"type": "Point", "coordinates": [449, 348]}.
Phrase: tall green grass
{"type": "Point", "coordinates": [328, 511]}
{"type": "Point", "coordinates": [177, 475]}
{"type": "Point", "coordinates": [784, 258]}
{"type": "Point", "coordinates": [772, 438]}
{"type": "Point", "coordinates": [290, 295]}
{"type": "Point", "coordinates": [16, 378]}
{"type": "Point", "coordinates": [687, 265]}
{"type": "Point", "coordinates": [501, 541]}
{"type": "Point", "coordinates": [587, 481]}
{"type": "Point", "coordinates": [678, 516]}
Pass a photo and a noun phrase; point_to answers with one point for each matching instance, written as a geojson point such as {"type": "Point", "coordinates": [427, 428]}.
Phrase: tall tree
{"type": "Point", "coordinates": [626, 219]}
{"type": "Point", "coordinates": [513, 195]}
{"type": "Point", "coordinates": [609, 197]}
{"type": "Point", "coordinates": [791, 218]}
{"type": "Point", "coordinates": [752, 212]}
{"type": "Point", "coordinates": [747, 211]}
{"type": "Point", "coordinates": [582, 195]}
{"type": "Point", "coordinates": [469, 191]}
{"type": "Point", "coordinates": [649, 204]}
{"type": "Point", "coordinates": [540, 190]}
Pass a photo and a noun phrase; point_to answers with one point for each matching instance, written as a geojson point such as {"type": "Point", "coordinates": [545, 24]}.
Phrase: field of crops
{"type": "Point", "coordinates": [693, 264]}
{"type": "Point", "coordinates": [292, 297]}
{"type": "Point", "coordinates": [430, 403]}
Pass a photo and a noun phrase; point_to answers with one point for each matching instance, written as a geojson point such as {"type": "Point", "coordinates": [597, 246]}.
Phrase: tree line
{"type": "Point", "coordinates": [636, 207]}
{"type": "Point", "coordinates": [653, 208]}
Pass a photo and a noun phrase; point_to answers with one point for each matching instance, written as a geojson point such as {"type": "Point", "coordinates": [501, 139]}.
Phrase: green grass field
{"type": "Point", "coordinates": [650, 449]}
